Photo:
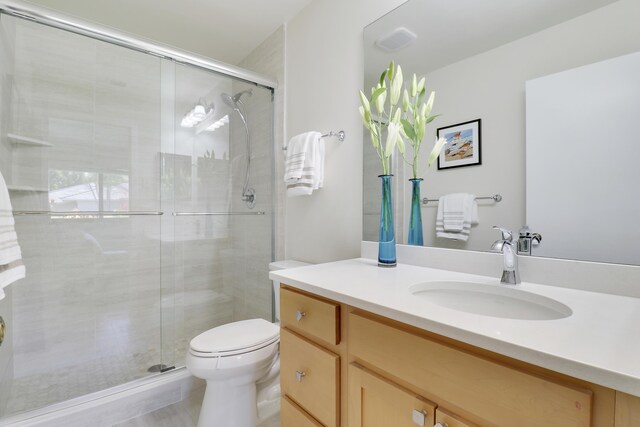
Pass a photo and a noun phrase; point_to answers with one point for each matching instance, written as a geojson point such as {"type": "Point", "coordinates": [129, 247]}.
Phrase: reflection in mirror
{"type": "Point", "coordinates": [478, 58]}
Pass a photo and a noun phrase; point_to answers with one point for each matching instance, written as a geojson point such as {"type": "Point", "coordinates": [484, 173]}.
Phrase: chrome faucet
{"type": "Point", "coordinates": [510, 274]}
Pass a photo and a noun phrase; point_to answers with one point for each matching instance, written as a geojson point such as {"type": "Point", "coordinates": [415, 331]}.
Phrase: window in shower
{"type": "Point", "coordinates": [71, 191]}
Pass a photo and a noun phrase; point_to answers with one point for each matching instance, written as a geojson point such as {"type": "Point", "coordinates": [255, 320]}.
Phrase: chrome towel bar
{"type": "Point", "coordinates": [496, 198]}
{"type": "Point", "coordinates": [84, 213]}
{"type": "Point", "coordinates": [217, 213]}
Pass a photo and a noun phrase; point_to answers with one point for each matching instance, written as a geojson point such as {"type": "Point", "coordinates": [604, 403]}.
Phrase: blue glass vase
{"type": "Point", "coordinates": [387, 241]}
{"type": "Point", "coordinates": [415, 221]}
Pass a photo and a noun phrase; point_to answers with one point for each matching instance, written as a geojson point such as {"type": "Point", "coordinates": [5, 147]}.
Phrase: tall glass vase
{"type": "Point", "coordinates": [387, 241]}
{"type": "Point", "coordinates": [415, 221]}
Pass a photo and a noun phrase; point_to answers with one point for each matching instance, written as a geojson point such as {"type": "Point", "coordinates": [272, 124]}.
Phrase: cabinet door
{"type": "Point", "coordinates": [627, 410]}
{"type": "Point", "coordinates": [291, 415]}
{"type": "Point", "coordinates": [447, 419]}
{"type": "Point", "coordinates": [309, 376]}
{"type": "Point", "coordinates": [376, 402]}
{"type": "Point", "coordinates": [491, 391]}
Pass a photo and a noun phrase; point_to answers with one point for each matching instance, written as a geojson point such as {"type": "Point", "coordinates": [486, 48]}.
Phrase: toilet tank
{"type": "Point", "coordinates": [282, 265]}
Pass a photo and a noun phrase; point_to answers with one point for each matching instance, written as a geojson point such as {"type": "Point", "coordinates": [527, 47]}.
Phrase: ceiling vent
{"type": "Point", "coordinates": [396, 40]}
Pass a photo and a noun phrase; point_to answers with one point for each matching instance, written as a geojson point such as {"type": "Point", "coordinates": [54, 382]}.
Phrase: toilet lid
{"type": "Point", "coordinates": [235, 336]}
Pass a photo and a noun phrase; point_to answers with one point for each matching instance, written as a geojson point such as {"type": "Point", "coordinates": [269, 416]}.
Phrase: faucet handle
{"type": "Point", "coordinates": [507, 235]}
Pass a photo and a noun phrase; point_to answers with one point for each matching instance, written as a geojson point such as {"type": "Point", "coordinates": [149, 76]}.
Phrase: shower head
{"type": "Point", "coordinates": [232, 101]}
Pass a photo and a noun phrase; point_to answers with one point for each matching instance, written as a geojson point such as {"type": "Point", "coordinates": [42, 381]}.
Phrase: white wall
{"type": "Point", "coordinates": [324, 71]}
{"type": "Point", "coordinates": [491, 86]}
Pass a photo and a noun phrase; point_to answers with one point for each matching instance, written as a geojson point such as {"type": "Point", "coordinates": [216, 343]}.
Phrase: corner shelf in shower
{"type": "Point", "coordinates": [25, 140]}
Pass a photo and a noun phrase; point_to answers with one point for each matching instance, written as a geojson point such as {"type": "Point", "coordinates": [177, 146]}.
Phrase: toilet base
{"type": "Point", "coordinates": [228, 405]}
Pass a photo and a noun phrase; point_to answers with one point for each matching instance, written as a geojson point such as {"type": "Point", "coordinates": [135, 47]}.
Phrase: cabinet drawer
{"type": "Point", "coordinates": [482, 390]}
{"type": "Point", "coordinates": [291, 415]}
{"type": "Point", "coordinates": [310, 316]}
{"type": "Point", "coordinates": [376, 402]}
{"type": "Point", "coordinates": [309, 376]}
{"type": "Point", "coordinates": [446, 419]}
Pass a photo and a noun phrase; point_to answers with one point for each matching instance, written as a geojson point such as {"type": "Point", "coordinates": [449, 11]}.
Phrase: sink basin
{"type": "Point", "coordinates": [491, 300]}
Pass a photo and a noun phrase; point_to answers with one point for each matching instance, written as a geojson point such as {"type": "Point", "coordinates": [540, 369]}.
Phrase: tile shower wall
{"type": "Point", "coordinates": [268, 59]}
{"type": "Point", "coordinates": [250, 284]}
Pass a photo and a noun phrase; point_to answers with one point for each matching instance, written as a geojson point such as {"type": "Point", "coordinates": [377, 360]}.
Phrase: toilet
{"type": "Point", "coordinates": [240, 362]}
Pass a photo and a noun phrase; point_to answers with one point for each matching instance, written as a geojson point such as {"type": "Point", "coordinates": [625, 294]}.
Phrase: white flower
{"type": "Point", "coordinates": [436, 150]}
{"type": "Point", "coordinates": [393, 131]}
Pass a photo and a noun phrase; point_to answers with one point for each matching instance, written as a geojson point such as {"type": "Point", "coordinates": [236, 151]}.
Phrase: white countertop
{"type": "Point", "coordinates": [599, 342]}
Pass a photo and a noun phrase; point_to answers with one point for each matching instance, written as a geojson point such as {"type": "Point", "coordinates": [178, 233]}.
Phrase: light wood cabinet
{"type": "Point", "coordinates": [491, 392]}
{"type": "Point", "coordinates": [309, 316]}
{"type": "Point", "coordinates": [310, 360]}
{"type": "Point", "coordinates": [447, 419]}
{"type": "Point", "coordinates": [309, 376]}
{"type": "Point", "coordinates": [377, 402]}
{"type": "Point", "coordinates": [342, 366]}
{"type": "Point", "coordinates": [627, 410]}
{"type": "Point", "coordinates": [292, 415]}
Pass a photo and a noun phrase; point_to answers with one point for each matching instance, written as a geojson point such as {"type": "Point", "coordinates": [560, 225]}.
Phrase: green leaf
{"type": "Point", "coordinates": [390, 70]}
{"type": "Point", "coordinates": [377, 93]}
{"type": "Point", "coordinates": [382, 77]}
{"type": "Point", "coordinates": [408, 129]}
{"type": "Point", "coordinates": [431, 118]}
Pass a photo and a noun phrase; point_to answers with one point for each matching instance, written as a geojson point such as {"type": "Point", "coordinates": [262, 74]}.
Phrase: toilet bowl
{"type": "Point", "coordinates": [240, 363]}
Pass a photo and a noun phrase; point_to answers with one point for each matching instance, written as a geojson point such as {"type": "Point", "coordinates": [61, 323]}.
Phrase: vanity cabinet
{"type": "Point", "coordinates": [309, 360]}
{"type": "Point", "coordinates": [358, 369]}
{"type": "Point", "coordinates": [479, 388]}
{"type": "Point", "coordinates": [377, 402]}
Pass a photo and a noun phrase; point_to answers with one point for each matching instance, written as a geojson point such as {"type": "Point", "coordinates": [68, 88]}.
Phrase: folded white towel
{"type": "Point", "coordinates": [304, 164]}
{"type": "Point", "coordinates": [11, 266]}
{"type": "Point", "coordinates": [456, 213]}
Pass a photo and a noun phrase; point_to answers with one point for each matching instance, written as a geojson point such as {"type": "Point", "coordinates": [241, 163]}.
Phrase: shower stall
{"type": "Point", "coordinates": [133, 218]}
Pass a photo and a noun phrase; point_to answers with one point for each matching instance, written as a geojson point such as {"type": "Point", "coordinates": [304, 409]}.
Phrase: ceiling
{"type": "Point", "coordinates": [223, 30]}
{"type": "Point", "coordinates": [449, 31]}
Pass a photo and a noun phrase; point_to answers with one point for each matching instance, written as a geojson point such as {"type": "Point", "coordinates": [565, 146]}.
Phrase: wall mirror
{"type": "Point", "coordinates": [556, 87]}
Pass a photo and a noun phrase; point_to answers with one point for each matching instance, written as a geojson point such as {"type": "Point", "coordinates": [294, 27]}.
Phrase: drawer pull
{"type": "Point", "coordinates": [300, 314]}
{"type": "Point", "coordinates": [419, 417]}
{"type": "Point", "coordinates": [441, 425]}
{"type": "Point", "coordinates": [300, 376]}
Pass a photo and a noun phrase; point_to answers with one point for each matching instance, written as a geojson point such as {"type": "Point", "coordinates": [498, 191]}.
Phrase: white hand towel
{"type": "Point", "coordinates": [456, 213]}
{"type": "Point", "coordinates": [11, 266]}
{"type": "Point", "coordinates": [304, 166]}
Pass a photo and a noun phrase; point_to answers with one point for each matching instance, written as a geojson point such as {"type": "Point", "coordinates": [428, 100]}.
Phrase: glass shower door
{"type": "Point", "coordinates": [80, 142]}
{"type": "Point", "coordinates": [222, 245]}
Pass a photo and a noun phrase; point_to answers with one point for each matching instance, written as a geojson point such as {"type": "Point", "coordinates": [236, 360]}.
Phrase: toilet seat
{"type": "Point", "coordinates": [235, 338]}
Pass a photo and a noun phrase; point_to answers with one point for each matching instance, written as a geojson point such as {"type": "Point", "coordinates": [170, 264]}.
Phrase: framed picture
{"type": "Point", "coordinates": [463, 145]}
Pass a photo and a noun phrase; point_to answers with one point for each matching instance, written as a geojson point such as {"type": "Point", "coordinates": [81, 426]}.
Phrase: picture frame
{"type": "Point", "coordinates": [463, 147]}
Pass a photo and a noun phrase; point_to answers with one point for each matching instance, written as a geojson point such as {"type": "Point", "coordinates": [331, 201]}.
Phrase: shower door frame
{"type": "Point", "coordinates": [78, 26]}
